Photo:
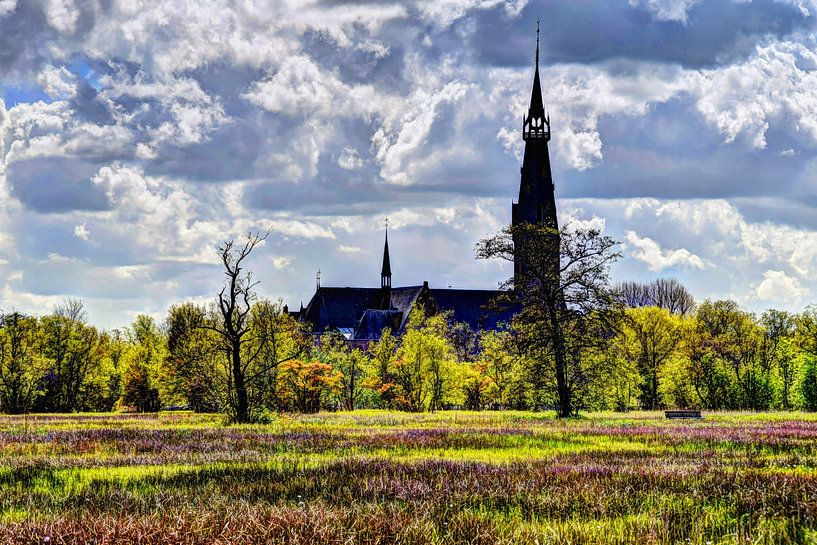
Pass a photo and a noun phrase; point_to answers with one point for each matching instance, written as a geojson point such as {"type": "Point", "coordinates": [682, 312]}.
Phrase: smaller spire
{"type": "Point", "coordinates": [385, 271]}
{"type": "Point", "coordinates": [318, 278]}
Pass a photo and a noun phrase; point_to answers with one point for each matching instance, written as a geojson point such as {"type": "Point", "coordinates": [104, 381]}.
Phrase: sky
{"type": "Point", "coordinates": [135, 135]}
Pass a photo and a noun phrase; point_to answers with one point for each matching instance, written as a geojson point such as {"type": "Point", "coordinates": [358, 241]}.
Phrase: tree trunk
{"type": "Point", "coordinates": [565, 408]}
{"type": "Point", "coordinates": [242, 413]}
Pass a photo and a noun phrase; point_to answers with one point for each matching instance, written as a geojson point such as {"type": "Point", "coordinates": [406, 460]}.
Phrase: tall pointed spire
{"type": "Point", "coordinates": [537, 203]}
{"type": "Point", "coordinates": [385, 271]}
{"type": "Point", "coordinates": [536, 125]}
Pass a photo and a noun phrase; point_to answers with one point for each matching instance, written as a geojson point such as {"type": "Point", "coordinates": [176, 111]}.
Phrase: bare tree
{"type": "Point", "coordinates": [671, 295]}
{"type": "Point", "coordinates": [252, 349]}
{"type": "Point", "coordinates": [633, 294]}
{"type": "Point", "coordinates": [666, 293]}
{"type": "Point", "coordinates": [73, 310]}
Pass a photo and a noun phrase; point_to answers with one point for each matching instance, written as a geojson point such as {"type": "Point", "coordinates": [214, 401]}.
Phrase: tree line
{"type": "Point", "coordinates": [576, 343]}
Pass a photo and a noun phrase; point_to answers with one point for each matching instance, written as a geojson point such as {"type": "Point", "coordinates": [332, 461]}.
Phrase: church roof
{"type": "Point", "coordinates": [374, 321]}
{"type": "Point", "coordinates": [359, 309]}
{"type": "Point", "coordinates": [471, 307]}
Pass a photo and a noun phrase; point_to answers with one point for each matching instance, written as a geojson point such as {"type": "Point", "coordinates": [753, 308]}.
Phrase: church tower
{"type": "Point", "coordinates": [536, 203]}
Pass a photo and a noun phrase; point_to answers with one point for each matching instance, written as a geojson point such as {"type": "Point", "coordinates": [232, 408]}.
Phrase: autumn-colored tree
{"type": "Point", "coordinates": [306, 386]}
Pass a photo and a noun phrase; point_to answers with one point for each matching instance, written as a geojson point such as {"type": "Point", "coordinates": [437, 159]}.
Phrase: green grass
{"type": "Point", "coordinates": [385, 477]}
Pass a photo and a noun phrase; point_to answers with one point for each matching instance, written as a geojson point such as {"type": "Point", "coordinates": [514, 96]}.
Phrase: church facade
{"type": "Point", "coordinates": [361, 314]}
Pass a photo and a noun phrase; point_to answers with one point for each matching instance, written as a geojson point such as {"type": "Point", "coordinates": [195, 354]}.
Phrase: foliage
{"type": "Point", "coordinates": [567, 310]}
{"type": "Point", "coordinates": [306, 387]}
{"type": "Point", "coordinates": [142, 364]}
{"type": "Point", "coordinates": [20, 362]}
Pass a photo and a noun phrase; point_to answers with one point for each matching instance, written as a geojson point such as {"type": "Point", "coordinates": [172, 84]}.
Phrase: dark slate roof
{"type": "Point", "coordinates": [339, 307]}
{"type": "Point", "coordinates": [362, 310]}
{"type": "Point", "coordinates": [471, 307]}
{"type": "Point", "coordinates": [373, 323]}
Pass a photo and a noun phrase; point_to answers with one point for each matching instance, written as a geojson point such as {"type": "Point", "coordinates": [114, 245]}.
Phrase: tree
{"type": "Point", "coordinates": [383, 354]}
{"type": "Point", "coordinates": [778, 330]}
{"type": "Point", "coordinates": [501, 365]}
{"type": "Point", "coordinates": [192, 352]}
{"type": "Point", "coordinates": [425, 369]}
{"type": "Point", "coordinates": [734, 337]}
{"type": "Point", "coordinates": [650, 337]}
{"type": "Point", "coordinates": [350, 362]}
{"type": "Point", "coordinates": [250, 342]}
{"type": "Point", "coordinates": [142, 362]}
{"type": "Point", "coordinates": [567, 308]}
{"type": "Point", "coordinates": [666, 293]}
{"type": "Point", "coordinates": [20, 369]}
{"type": "Point", "coordinates": [808, 386]}
{"type": "Point", "coordinates": [304, 387]}
{"type": "Point", "coordinates": [477, 386]}
{"type": "Point", "coordinates": [75, 351]}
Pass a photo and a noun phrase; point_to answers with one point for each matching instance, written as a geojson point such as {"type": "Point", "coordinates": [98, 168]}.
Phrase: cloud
{"type": "Point", "coordinates": [778, 286]}
{"type": "Point", "coordinates": [657, 259]}
{"type": "Point", "coordinates": [666, 10]}
{"type": "Point", "coordinates": [778, 84]}
{"type": "Point", "coordinates": [58, 83]}
{"type": "Point", "coordinates": [281, 262]}
{"type": "Point", "coordinates": [7, 6]}
{"type": "Point", "coordinates": [81, 231]}
{"type": "Point", "coordinates": [158, 129]}
{"type": "Point", "coordinates": [349, 249]}
{"type": "Point", "coordinates": [349, 159]}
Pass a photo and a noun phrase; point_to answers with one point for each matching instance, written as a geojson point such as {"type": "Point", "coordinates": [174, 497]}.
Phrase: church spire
{"type": "Point", "coordinates": [385, 271]}
{"type": "Point", "coordinates": [536, 125]}
{"type": "Point", "coordinates": [537, 203]}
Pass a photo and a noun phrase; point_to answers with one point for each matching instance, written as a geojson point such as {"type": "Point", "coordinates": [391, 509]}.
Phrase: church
{"type": "Point", "coordinates": [361, 314]}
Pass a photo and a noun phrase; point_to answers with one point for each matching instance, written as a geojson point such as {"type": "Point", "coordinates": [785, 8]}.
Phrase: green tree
{"type": "Point", "coordinates": [425, 370]}
{"type": "Point", "coordinates": [567, 308]}
{"type": "Point", "coordinates": [650, 337]}
{"type": "Point", "coordinates": [383, 354]}
{"type": "Point", "coordinates": [501, 365]}
{"type": "Point", "coordinates": [142, 363]}
{"type": "Point", "coordinates": [20, 364]}
{"type": "Point", "coordinates": [735, 338]}
{"type": "Point", "coordinates": [190, 370]}
{"type": "Point", "coordinates": [351, 363]}
{"type": "Point", "coordinates": [75, 351]}
{"type": "Point", "coordinates": [808, 385]}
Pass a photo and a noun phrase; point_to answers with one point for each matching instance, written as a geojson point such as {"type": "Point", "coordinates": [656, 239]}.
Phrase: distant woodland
{"type": "Point", "coordinates": [623, 347]}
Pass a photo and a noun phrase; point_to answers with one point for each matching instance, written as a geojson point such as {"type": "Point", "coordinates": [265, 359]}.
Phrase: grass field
{"type": "Point", "coordinates": [380, 477]}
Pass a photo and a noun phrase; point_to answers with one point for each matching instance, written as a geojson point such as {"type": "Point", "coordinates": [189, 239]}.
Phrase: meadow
{"type": "Point", "coordinates": [386, 477]}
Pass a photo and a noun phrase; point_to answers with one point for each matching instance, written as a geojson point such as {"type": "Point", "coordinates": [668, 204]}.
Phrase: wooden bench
{"type": "Point", "coordinates": [683, 414]}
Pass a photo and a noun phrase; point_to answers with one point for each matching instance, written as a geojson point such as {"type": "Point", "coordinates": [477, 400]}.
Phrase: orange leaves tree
{"type": "Point", "coordinates": [306, 386]}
